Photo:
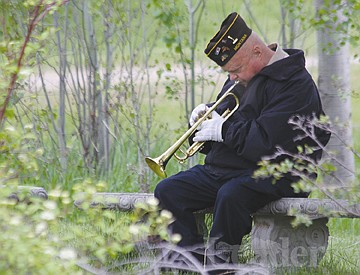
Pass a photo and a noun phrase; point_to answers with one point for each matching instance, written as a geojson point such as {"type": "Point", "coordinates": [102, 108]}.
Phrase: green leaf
{"type": "Point", "coordinates": [9, 113]}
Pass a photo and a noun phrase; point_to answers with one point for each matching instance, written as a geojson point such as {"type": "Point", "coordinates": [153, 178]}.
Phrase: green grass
{"type": "Point", "coordinates": [343, 254]}
{"type": "Point", "coordinates": [343, 251]}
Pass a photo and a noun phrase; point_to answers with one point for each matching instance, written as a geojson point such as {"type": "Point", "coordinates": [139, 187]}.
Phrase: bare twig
{"type": "Point", "coordinates": [307, 126]}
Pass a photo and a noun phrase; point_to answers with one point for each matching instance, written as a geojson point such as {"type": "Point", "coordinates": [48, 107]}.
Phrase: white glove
{"type": "Point", "coordinates": [197, 113]}
{"type": "Point", "coordinates": [210, 129]}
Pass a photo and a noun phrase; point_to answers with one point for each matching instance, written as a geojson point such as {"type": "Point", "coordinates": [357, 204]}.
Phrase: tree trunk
{"type": "Point", "coordinates": [61, 43]}
{"type": "Point", "coordinates": [109, 32]}
{"type": "Point", "coordinates": [334, 87]}
{"type": "Point", "coordinates": [95, 95]}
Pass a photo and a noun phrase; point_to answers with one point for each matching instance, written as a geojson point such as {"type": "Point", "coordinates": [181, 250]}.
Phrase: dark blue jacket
{"type": "Point", "coordinates": [277, 93]}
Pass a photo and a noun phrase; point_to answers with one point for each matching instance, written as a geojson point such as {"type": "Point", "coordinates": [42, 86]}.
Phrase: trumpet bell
{"type": "Point", "coordinates": [156, 166]}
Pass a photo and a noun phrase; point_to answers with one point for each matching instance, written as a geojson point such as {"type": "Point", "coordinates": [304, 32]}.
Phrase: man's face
{"type": "Point", "coordinates": [243, 66]}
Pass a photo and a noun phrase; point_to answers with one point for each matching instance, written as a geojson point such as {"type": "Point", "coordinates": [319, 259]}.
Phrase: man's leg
{"type": "Point", "coordinates": [184, 193]}
{"type": "Point", "coordinates": [236, 201]}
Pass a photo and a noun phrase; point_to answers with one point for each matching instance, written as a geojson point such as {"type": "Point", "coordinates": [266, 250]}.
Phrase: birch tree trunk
{"type": "Point", "coordinates": [109, 32]}
{"type": "Point", "coordinates": [60, 129]}
{"type": "Point", "coordinates": [334, 87]}
{"type": "Point", "coordinates": [193, 30]}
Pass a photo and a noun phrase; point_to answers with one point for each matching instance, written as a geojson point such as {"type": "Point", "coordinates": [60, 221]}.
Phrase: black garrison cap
{"type": "Point", "coordinates": [228, 40]}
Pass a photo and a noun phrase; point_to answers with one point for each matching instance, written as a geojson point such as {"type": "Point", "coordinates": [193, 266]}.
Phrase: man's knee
{"type": "Point", "coordinates": [167, 192]}
{"type": "Point", "coordinates": [161, 189]}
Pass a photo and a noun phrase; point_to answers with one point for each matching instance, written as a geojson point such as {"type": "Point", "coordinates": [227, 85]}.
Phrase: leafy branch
{"type": "Point", "coordinates": [40, 10]}
{"type": "Point", "coordinates": [301, 165]}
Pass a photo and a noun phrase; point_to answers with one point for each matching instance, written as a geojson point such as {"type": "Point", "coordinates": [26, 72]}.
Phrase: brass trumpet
{"type": "Point", "coordinates": [158, 164]}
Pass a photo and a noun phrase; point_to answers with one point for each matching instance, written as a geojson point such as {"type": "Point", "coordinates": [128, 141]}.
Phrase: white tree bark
{"type": "Point", "coordinates": [60, 129]}
{"type": "Point", "coordinates": [334, 87]}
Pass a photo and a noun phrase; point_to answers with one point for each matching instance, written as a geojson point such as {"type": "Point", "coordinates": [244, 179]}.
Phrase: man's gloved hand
{"type": "Point", "coordinates": [210, 129]}
{"type": "Point", "coordinates": [197, 113]}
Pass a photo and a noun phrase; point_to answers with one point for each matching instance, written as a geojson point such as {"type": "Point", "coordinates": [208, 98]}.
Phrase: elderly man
{"type": "Point", "coordinates": [274, 86]}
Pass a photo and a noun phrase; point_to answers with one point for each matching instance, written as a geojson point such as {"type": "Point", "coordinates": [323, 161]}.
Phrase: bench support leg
{"type": "Point", "coordinates": [277, 243]}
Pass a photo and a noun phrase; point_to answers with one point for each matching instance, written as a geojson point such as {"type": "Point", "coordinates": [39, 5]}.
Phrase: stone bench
{"type": "Point", "coordinates": [30, 190]}
{"type": "Point", "coordinates": [274, 240]}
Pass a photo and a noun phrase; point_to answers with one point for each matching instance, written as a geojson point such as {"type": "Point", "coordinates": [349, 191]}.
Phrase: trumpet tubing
{"type": "Point", "coordinates": [158, 164]}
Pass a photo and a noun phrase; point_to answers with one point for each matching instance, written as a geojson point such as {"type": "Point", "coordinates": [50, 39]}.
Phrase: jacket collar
{"type": "Point", "coordinates": [283, 69]}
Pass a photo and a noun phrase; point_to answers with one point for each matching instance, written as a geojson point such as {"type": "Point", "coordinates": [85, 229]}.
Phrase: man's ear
{"type": "Point", "coordinates": [257, 51]}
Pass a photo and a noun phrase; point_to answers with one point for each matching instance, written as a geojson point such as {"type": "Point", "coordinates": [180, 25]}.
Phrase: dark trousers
{"type": "Point", "coordinates": [234, 195]}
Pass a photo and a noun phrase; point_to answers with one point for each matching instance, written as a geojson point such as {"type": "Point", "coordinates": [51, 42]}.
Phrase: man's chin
{"type": "Point", "coordinates": [243, 82]}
